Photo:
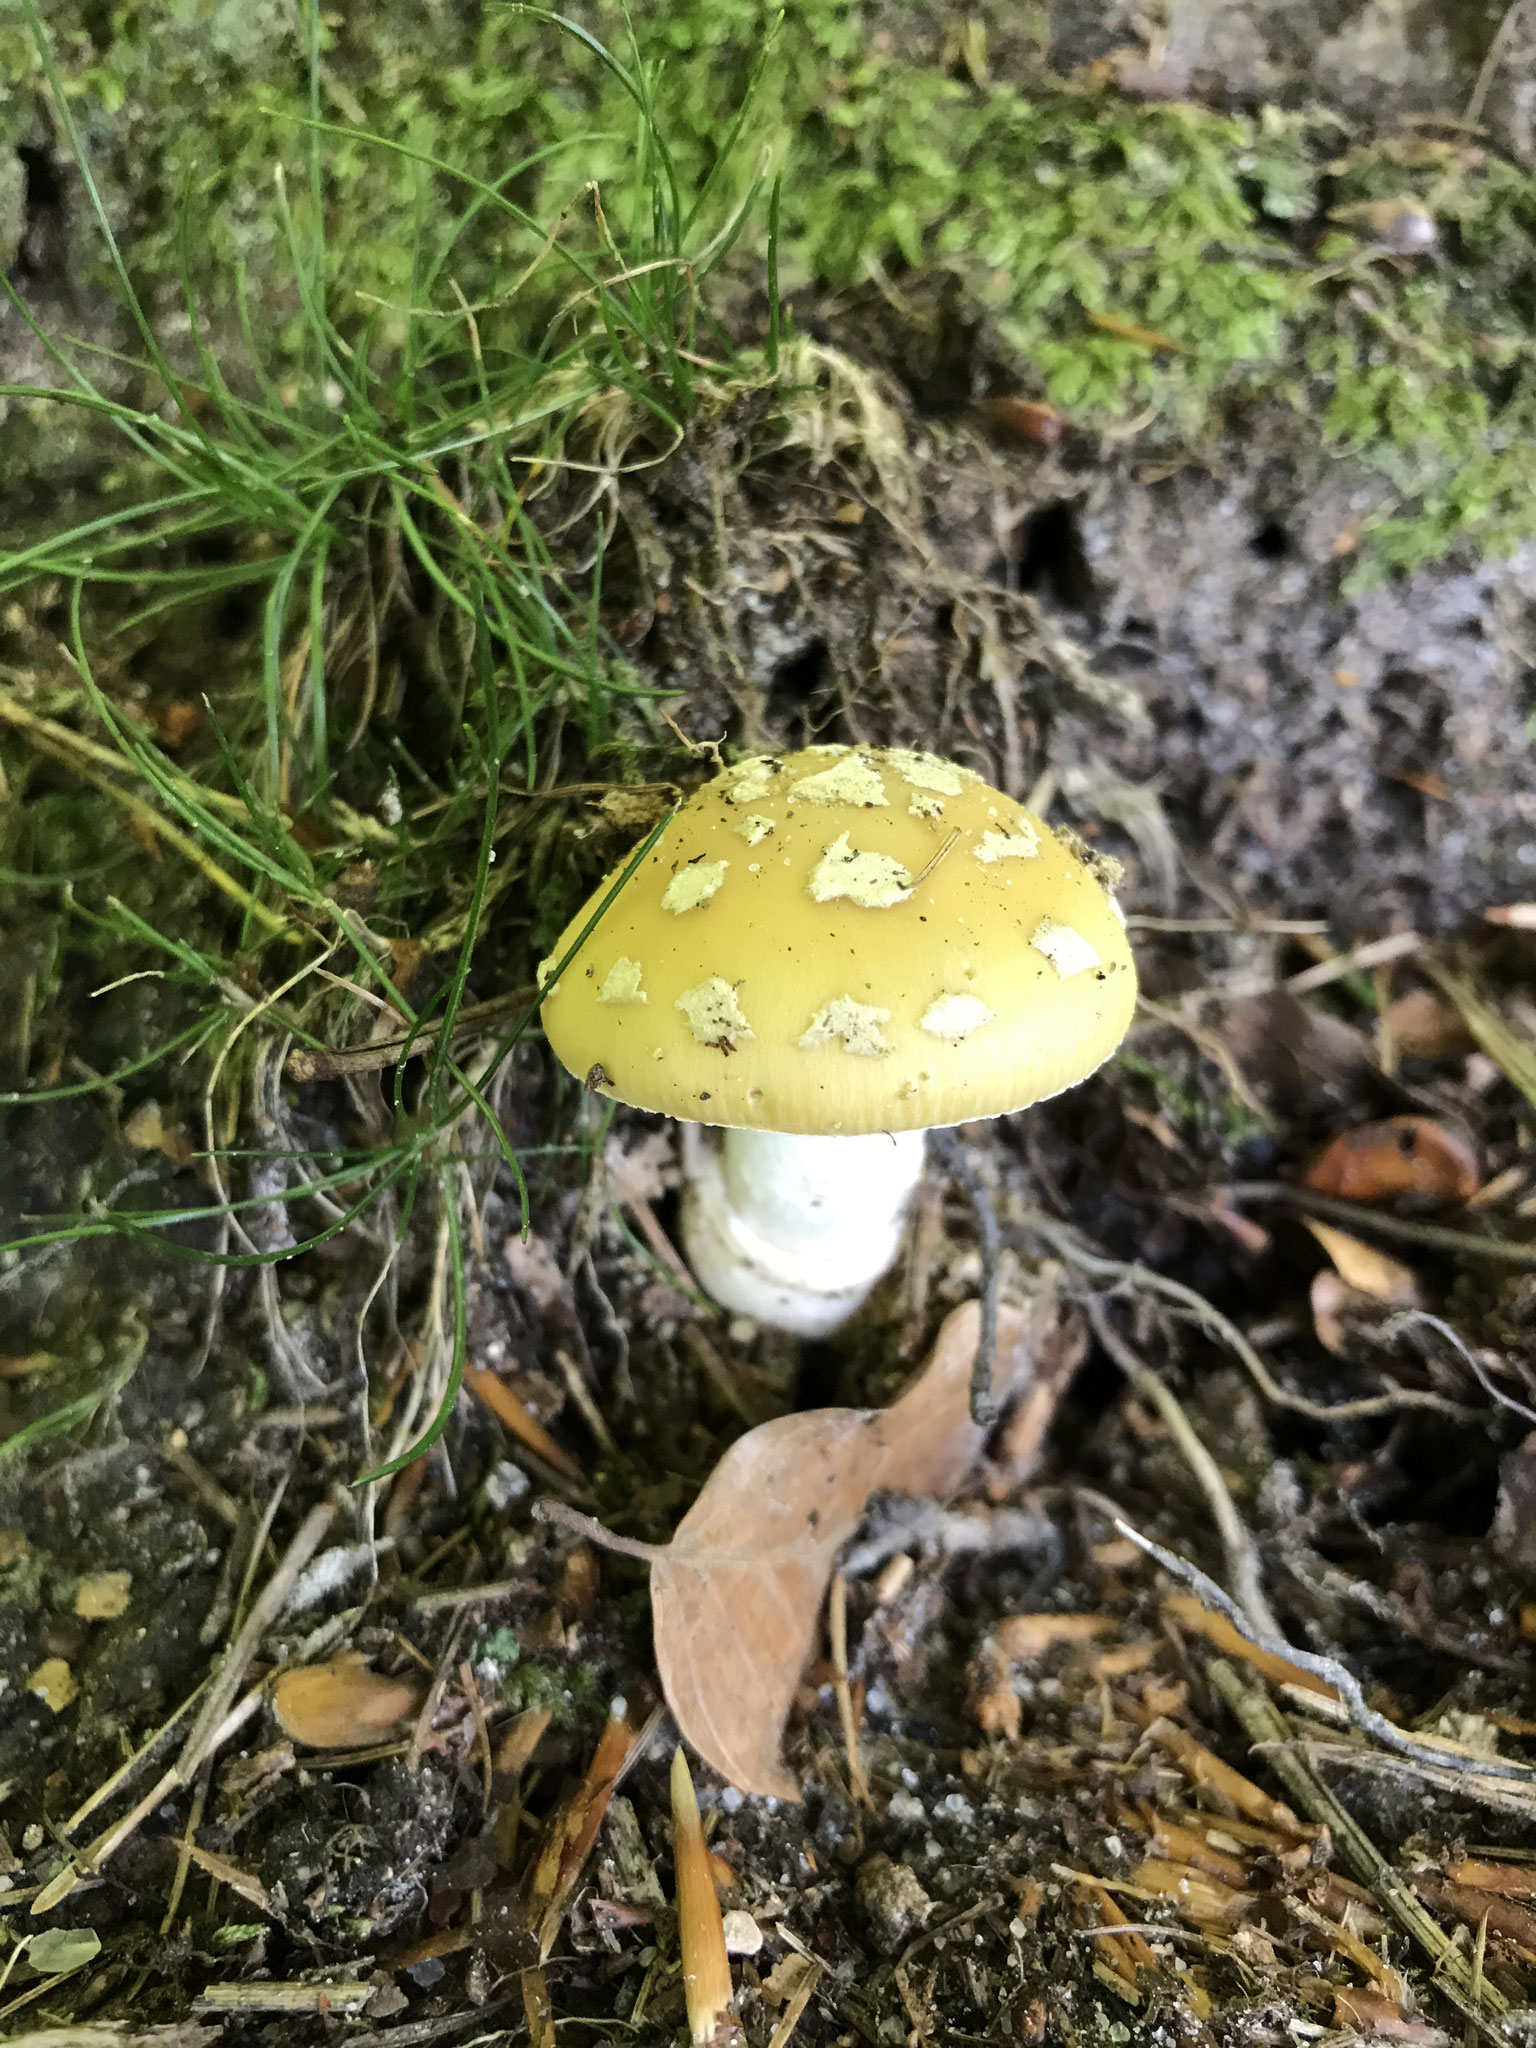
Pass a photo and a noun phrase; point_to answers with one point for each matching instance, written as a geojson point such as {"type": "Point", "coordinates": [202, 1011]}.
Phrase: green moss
{"type": "Point", "coordinates": [1054, 206]}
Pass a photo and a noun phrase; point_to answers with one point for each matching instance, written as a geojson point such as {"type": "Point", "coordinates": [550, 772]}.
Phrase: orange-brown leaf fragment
{"type": "Point", "coordinates": [1365, 1269]}
{"type": "Point", "coordinates": [1400, 1155]}
{"type": "Point", "coordinates": [1185, 1609]}
{"type": "Point", "coordinates": [736, 1595]}
{"type": "Point", "coordinates": [342, 1704]}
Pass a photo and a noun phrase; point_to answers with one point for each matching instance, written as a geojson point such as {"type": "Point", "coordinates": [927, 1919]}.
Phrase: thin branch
{"type": "Point", "coordinates": [1338, 1675]}
{"type": "Point", "coordinates": [984, 1408]}
{"type": "Point", "coordinates": [1242, 1552]}
{"type": "Point", "coordinates": [1210, 1318]}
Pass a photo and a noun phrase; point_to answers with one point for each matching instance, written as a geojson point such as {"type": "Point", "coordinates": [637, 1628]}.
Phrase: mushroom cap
{"type": "Point", "coordinates": [845, 940]}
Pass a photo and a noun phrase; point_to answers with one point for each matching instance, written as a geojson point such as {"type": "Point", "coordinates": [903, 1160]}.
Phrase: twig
{"type": "Point", "coordinates": [837, 1635]}
{"type": "Point", "coordinates": [311, 1063]}
{"type": "Point", "coordinates": [984, 1408]}
{"type": "Point", "coordinates": [566, 1517]}
{"type": "Point", "coordinates": [1338, 1675]}
{"type": "Point", "coordinates": [1489, 70]}
{"type": "Point", "coordinates": [1412, 1317]}
{"type": "Point", "coordinates": [1264, 1724]}
{"type": "Point", "coordinates": [1242, 1553]}
{"type": "Point", "coordinates": [1361, 1216]}
{"type": "Point", "coordinates": [1216, 1325]}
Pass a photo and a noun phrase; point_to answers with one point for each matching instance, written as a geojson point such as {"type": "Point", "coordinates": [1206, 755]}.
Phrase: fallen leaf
{"type": "Point", "coordinates": [1020, 1636]}
{"type": "Point", "coordinates": [1330, 1297]}
{"type": "Point", "coordinates": [58, 1950]}
{"type": "Point", "coordinates": [342, 1704]}
{"type": "Point", "coordinates": [496, 1395]}
{"type": "Point", "coordinates": [736, 1595]}
{"type": "Point", "coordinates": [146, 1131]}
{"type": "Point", "coordinates": [1400, 1155]}
{"type": "Point", "coordinates": [1424, 1026]}
{"type": "Point", "coordinates": [1364, 1268]}
{"type": "Point", "coordinates": [1360, 2011]}
{"type": "Point", "coordinates": [1021, 419]}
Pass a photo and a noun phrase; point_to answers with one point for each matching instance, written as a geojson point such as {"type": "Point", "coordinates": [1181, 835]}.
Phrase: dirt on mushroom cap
{"type": "Point", "coordinates": [1028, 949]}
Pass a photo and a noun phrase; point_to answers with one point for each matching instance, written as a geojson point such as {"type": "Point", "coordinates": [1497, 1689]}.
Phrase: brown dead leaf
{"type": "Point", "coordinates": [1364, 1268]}
{"type": "Point", "coordinates": [1424, 1026]}
{"type": "Point", "coordinates": [1360, 2011]}
{"type": "Point", "coordinates": [736, 1595]}
{"type": "Point", "coordinates": [342, 1704]}
{"type": "Point", "coordinates": [1400, 1155]}
{"type": "Point", "coordinates": [1022, 419]}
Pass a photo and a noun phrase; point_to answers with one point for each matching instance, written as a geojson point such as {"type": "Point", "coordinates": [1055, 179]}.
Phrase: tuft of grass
{"type": "Point", "coordinates": [440, 475]}
{"type": "Point", "coordinates": [1259, 247]}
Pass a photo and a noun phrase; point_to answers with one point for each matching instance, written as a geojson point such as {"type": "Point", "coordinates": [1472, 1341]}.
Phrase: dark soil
{"type": "Point", "coordinates": [1172, 660]}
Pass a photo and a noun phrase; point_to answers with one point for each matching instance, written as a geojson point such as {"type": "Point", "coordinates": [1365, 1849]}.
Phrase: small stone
{"type": "Point", "coordinates": [103, 1596]}
{"type": "Point", "coordinates": [893, 1900]}
{"type": "Point", "coordinates": [743, 1936]}
{"type": "Point", "coordinates": [54, 1683]}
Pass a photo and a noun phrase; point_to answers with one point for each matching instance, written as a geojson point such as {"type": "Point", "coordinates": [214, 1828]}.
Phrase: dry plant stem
{"type": "Point", "coordinates": [701, 1933]}
{"type": "Point", "coordinates": [309, 1063]}
{"type": "Point", "coordinates": [783, 2033]}
{"type": "Point", "coordinates": [837, 1635]}
{"type": "Point", "coordinates": [1264, 1725]}
{"type": "Point", "coordinates": [1242, 1556]}
{"type": "Point", "coordinates": [1338, 1675]}
{"type": "Point", "coordinates": [951, 1150]}
{"type": "Point", "coordinates": [1215, 1324]}
{"type": "Point", "coordinates": [1361, 1216]}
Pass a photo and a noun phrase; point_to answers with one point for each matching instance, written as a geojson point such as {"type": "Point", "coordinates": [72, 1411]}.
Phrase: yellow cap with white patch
{"type": "Point", "coordinates": [846, 940]}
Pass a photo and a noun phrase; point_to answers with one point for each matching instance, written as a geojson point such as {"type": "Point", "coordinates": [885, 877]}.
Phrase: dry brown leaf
{"type": "Point", "coordinates": [736, 1595]}
{"type": "Point", "coordinates": [495, 1394]}
{"type": "Point", "coordinates": [1400, 1155]}
{"type": "Point", "coordinates": [1359, 2011]}
{"type": "Point", "coordinates": [342, 1704]}
{"type": "Point", "coordinates": [1020, 1636]}
{"type": "Point", "coordinates": [1424, 1026]}
{"type": "Point", "coordinates": [1364, 1268]}
{"type": "Point", "coordinates": [1330, 1298]}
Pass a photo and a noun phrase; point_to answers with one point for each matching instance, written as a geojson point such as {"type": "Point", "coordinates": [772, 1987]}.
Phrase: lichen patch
{"type": "Point", "coordinates": [752, 779]}
{"type": "Point", "coordinates": [853, 780]}
{"type": "Point", "coordinates": [926, 807]}
{"type": "Point", "coordinates": [872, 880]}
{"type": "Point", "coordinates": [693, 886]}
{"type": "Point", "coordinates": [1022, 843]}
{"type": "Point", "coordinates": [621, 984]}
{"type": "Point", "coordinates": [1068, 951]}
{"type": "Point", "coordinates": [856, 1024]}
{"type": "Point", "coordinates": [714, 1014]}
{"type": "Point", "coordinates": [928, 771]}
{"type": "Point", "coordinates": [754, 828]}
{"type": "Point", "coordinates": [955, 1017]}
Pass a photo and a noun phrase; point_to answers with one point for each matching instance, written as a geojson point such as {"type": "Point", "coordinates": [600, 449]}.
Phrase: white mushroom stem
{"type": "Point", "coordinates": [795, 1231]}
